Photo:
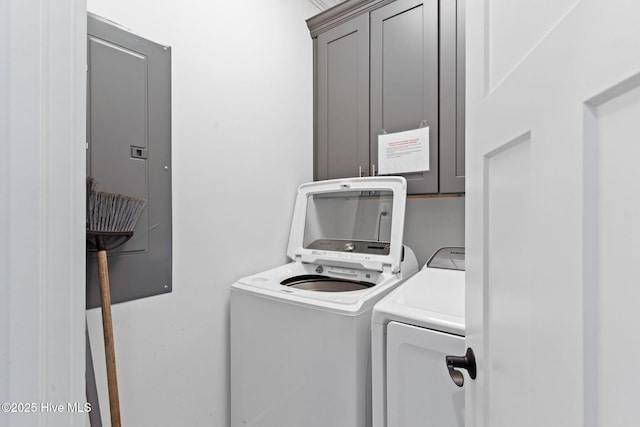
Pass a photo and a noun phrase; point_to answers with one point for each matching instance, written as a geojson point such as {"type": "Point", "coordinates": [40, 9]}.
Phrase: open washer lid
{"type": "Point", "coordinates": [350, 222]}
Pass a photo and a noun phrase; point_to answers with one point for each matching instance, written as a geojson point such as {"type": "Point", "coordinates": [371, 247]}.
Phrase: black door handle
{"type": "Point", "coordinates": [468, 362]}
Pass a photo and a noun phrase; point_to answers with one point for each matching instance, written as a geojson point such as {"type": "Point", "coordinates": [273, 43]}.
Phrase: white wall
{"type": "Point", "coordinates": [242, 143]}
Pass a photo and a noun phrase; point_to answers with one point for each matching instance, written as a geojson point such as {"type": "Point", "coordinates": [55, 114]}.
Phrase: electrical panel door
{"type": "Point", "coordinates": [129, 152]}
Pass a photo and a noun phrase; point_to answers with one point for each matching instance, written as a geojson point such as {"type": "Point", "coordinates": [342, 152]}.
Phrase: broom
{"type": "Point", "coordinates": [111, 218]}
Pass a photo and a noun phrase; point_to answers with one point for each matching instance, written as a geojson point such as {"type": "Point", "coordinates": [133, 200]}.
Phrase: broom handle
{"type": "Point", "coordinates": [107, 327]}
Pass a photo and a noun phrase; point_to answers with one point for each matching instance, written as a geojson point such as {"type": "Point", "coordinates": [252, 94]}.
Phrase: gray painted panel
{"type": "Point", "coordinates": [452, 97]}
{"type": "Point", "coordinates": [343, 100]}
{"type": "Point", "coordinates": [315, 110]}
{"type": "Point", "coordinates": [118, 121]}
{"type": "Point", "coordinates": [129, 104]}
{"type": "Point", "coordinates": [460, 112]}
{"type": "Point", "coordinates": [404, 78]}
{"type": "Point", "coordinates": [342, 106]}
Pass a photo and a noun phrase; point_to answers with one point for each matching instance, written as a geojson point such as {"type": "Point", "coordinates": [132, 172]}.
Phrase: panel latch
{"type": "Point", "coordinates": [138, 152]}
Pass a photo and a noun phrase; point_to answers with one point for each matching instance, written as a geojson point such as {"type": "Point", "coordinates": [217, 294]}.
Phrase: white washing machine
{"type": "Point", "coordinates": [413, 329]}
{"type": "Point", "coordinates": [301, 332]}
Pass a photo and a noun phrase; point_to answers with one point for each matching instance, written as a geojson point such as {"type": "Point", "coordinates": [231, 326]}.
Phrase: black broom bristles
{"type": "Point", "coordinates": [111, 212]}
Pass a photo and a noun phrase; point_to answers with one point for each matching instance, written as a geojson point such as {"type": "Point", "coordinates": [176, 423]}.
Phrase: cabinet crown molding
{"type": "Point", "coordinates": [340, 13]}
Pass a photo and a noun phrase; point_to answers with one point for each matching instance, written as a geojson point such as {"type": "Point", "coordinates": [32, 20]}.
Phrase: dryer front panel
{"type": "Point", "coordinates": [419, 391]}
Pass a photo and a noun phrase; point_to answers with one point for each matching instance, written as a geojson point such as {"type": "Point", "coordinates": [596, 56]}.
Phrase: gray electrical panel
{"type": "Point", "coordinates": [129, 152]}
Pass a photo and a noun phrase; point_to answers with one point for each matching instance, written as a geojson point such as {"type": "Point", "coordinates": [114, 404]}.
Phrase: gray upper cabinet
{"type": "Point", "coordinates": [452, 96]}
{"type": "Point", "coordinates": [342, 106]}
{"type": "Point", "coordinates": [384, 65]}
{"type": "Point", "coordinates": [404, 79]}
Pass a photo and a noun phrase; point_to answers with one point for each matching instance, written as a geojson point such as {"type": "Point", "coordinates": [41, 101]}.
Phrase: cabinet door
{"type": "Point", "coordinates": [452, 96]}
{"type": "Point", "coordinates": [404, 79]}
{"type": "Point", "coordinates": [420, 392]}
{"type": "Point", "coordinates": [342, 145]}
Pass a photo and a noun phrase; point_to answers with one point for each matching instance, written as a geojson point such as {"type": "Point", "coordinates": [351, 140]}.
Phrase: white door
{"type": "Point", "coordinates": [553, 212]}
{"type": "Point", "coordinates": [42, 212]}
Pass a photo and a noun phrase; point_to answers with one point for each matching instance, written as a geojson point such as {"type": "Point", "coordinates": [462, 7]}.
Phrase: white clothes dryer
{"type": "Point", "coordinates": [413, 329]}
{"type": "Point", "coordinates": [301, 332]}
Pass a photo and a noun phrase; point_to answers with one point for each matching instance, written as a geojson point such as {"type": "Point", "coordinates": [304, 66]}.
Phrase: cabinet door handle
{"type": "Point", "coordinates": [468, 362]}
{"type": "Point", "coordinates": [373, 170]}
{"type": "Point", "coordinates": [360, 171]}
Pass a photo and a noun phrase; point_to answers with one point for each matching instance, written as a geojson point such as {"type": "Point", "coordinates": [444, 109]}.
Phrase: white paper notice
{"type": "Point", "coordinates": [406, 151]}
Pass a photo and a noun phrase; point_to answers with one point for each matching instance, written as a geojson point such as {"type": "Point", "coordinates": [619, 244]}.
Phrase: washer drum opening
{"type": "Point", "coordinates": [314, 282]}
